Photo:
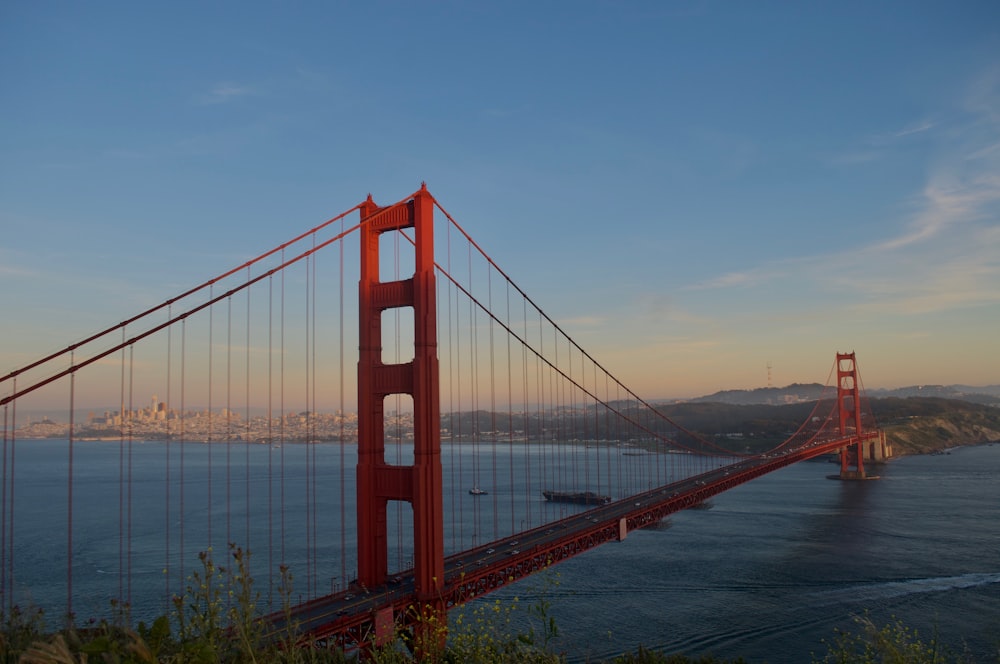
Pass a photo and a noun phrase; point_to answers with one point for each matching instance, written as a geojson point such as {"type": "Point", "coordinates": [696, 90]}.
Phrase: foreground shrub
{"type": "Point", "coordinates": [893, 643]}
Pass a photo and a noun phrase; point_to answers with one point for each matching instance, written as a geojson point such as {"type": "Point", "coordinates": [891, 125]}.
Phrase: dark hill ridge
{"type": "Point", "coordinates": [988, 395]}
{"type": "Point", "coordinates": [914, 425]}
{"type": "Point", "coordinates": [793, 393]}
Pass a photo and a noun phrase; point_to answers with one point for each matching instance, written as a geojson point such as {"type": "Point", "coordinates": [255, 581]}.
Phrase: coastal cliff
{"type": "Point", "coordinates": [924, 425]}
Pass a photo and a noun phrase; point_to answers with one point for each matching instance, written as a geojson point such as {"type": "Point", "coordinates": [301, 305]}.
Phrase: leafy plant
{"type": "Point", "coordinates": [894, 643]}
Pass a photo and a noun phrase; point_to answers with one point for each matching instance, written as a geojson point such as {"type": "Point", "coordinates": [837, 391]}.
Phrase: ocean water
{"type": "Point", "coordinates": [777, 565]}
{"type": "Point", "coordinates": [772, 570]}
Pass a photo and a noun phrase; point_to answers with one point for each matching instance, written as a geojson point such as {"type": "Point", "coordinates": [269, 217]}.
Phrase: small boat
{"type": "Point", "coordinates": [576, 497]}
{"type": "Point", "coordinates": [476, 491]}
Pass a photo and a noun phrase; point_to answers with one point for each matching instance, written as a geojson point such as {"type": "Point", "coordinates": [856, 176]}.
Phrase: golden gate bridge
{"type": "Point", "coordinates": [455, 439]}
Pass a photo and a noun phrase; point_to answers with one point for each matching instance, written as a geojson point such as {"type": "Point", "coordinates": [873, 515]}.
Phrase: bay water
{"type": "Point", "coordinates": [779, 564]}
{"type": "Point", "coordinates": [768, 573]}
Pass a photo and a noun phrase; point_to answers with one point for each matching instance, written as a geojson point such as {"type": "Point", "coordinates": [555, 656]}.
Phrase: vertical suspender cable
{"type": "Point", "coordinates": [578, 413]}
{"type": "Point", "coordinates": [455, 448]}
{"type": "Point", "coordinates": [340, 418]}
{"type": "Point", "coordinates": [544, 403]}
{"type": "Point", "coordinates": [477, 425]}
{"type": "Point", "coordinates": [211, 330]}
{"type": "Point", "coordinates": [69, 495]}
{"type": "Point", "coordinates": [592, 421]}
{"type": "Point", "coordinates": [473, 404]}
{"type": "Point", "coordinates": [128, 483]}
{"type": "Point", "coordinates": [281, 411]}
{"type": "Point", "coordinates": [229, 419]}
{"type": "Point", "coordinates": [121, 476]}
{"type": "Point", "coordinates": [525, 400]}
{"type": "Point", "coordinates": [183, 442]}
{"type": "Point", "coordinates": [312, 425]}
{"type": "Point", "coordinates": [443, 314]}
{"type": "Point", "coordinates": [582, 421]}
{"type": "Point", "coordinates": [306, 368]}
{"type": "Point", "coordinates": [167, 525]}
{"type": "Point", "coordinates": [609, 438]}
{"type": "Point", "coordinates": [493, 399]}
{"type": "Point", "coordinates": [510, 418]}
{"type": "Point", "coordinates": [7, 574]}
{"type": "Point", "coordinates": [444, 369]}
{"type": "Point", "coordinates": [13, 475]}
{"type": "Point", "coordinates": [555, 385]}
{"type": "Point", "coordinates": [270, 438]}
{"type": "Point", "coordinates": [246, 437]}
{"type": "Point", "coordinates": [4, 596]}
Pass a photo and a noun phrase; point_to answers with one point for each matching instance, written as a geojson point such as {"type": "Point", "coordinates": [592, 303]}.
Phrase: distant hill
{"type": "Point", "coordinates": [770, 396]}
{"type": "Point", "coordinates": [914, 425]}
{"type": "Point", "coordinates": [988, 395]}
{"type": "Point", "coordinates": [918, 425]}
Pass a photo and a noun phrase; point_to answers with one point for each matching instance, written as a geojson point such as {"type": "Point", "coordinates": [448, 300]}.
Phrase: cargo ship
{"type": "Point", "coordinates": [576, 497]}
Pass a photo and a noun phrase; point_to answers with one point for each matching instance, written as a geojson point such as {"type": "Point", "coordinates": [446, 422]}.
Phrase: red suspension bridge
{"type": "Point", "coordinates": [456, 439]}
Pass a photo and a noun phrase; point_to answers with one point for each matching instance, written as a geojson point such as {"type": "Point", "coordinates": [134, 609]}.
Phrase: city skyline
{"type": "Point", "coordinates": [704, 196]}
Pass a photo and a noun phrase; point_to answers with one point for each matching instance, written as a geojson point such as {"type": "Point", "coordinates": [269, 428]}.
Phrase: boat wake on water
{"type": "Point", "coordinates": [891, 589]}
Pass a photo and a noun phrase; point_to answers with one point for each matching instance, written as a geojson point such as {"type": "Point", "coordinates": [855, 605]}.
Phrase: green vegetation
{"type": "Point", "coordinates": [894, 643]}
{"type": "Point", "coordinates": [217, 621]}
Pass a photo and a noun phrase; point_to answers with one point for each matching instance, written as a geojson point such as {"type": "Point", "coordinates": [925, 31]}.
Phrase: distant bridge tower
{"type": "Point", "coordinates": [378, 481]}
{"type": "Point", "coordinates": [849, 407]}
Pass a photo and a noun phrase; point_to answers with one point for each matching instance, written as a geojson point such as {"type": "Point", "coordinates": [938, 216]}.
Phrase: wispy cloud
{"type": "Point", "coordinates": [8, 270]}
{"type": "Point", "coordinates": [944, 254]}
{"type": "Point", "coordinates": [733, 280]}
{"type": "Point", "coordinates": [916, 128]}
{"type": "Point", "coordinates": [895, 136]}
{"type": "Point", "coordinates": [857, 157]}
{"type": "Point", "coordinates": [224, 93]}
{"type": "Point", "coordinates": [963, 190]}
{"type": "Point", "coordinates": [878, 146]}
{"type": "Point", "coordinates": [947, 204]}
{"type": "Point", "coordinates": [988, 151]}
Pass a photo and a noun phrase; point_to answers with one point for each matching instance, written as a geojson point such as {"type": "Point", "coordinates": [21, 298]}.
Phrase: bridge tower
{"type": "Point", "coordinates": [379, 482]}
{"type": "Point", "coordinates": [849, 407]}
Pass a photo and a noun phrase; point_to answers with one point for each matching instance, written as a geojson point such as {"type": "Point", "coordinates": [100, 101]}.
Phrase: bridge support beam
{"type": "Point", "coordinates": [420, 484]}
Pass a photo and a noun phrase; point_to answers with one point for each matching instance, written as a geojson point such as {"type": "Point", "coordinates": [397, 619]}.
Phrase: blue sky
{"type": "Point", "coordinates": [692, 190]}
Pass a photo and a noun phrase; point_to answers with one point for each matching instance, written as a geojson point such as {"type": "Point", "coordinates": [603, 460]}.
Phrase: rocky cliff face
{"type": "Point", "coordinates": [922, 434]}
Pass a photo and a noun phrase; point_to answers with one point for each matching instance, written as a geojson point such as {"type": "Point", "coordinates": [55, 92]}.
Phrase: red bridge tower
{"type": "Point", "coordinates": [849, 406]}
{"type": "Point", "coordinates": [378, 481]}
